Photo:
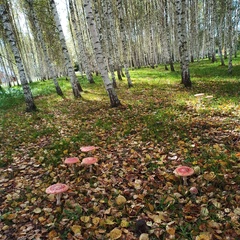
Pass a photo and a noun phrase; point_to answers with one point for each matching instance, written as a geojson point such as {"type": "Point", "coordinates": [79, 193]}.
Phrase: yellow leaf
{"type": "Point", "coordinates": [51, 235]}
{"type": "Point", "coordinates": [209, 176]}
{"type": "Point", "coordinates": [76, 229]}
{"type": "Point", "coordinates": [85, 219]}
{"type": "Point", "coordinates": [151, 207]}
{"type": "Point", "coordinates": [115, 234]}
{"type": "Point", "coordinates": [204, 236]}
{"type": "Point", "coordinates": [237, 154]}
{"type": "Point", "coordinates": [96, 220]}
{"type": "Point", "coordinates": [65, 151]}
{"type": "Point", "coordinates": [169, 200]}
{"type": "Point", "coordinates": [120, 200]}
{"type": "Point", "coordinates": [124, 223]}
{"type": "Point", "coordinates": [37, 210]}
{"type": "Point", "coordinates": [157, 219]}
{"type": "Point", "coordinates": [109, 221]}
{"type": "Point", "coordinates": [9, 216]}
{"type": "Point", "coordinates": [148, 157]}
{"type": "Point", "coordinates": [41, 219]}
{"type": "Point", "coordinates": [170, 230]}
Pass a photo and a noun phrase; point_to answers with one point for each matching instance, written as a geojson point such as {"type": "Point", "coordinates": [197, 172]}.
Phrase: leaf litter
{"type": "Point", "coordinates": [134, 181]}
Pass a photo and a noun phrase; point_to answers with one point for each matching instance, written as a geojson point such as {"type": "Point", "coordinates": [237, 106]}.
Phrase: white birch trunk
{"type": "Point", "coordinates": [30, 105]}
{"type": "Point", "coordinates": [182, 39]}
{"type": "Point", "coordinates": [168, 37]}
{"type": "Point", "coordinates": [78, 33]}
{"type": "Point", "coordinates": [44, 48]}
{"type": "Point", "coordinates": [76, 88]}
{"type": "Point", "coordinates": [230, 33]}
{"type": "Point", "coordinates": [114, 101]}
{"type": "Point", "coordinates": [123, 39]}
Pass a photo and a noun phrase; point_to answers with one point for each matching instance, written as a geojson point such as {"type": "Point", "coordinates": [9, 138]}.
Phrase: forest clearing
{"type": "Point", "coordinates": [159, 126]}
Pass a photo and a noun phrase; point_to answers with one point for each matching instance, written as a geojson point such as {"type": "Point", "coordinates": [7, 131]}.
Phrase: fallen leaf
{"type": "Point", "coordinates": [85, 219]}
{"type": "Point", "coordinates": [76, 229]}
{"type": "Point", "coordinates": [124, 223]}
{"type": "Point", "coordinates": [115, 234]}
{"type": "Point", "coordinates": [204, 236]}
{"type": "Point", "coordinates": [120, 200]}
{"type": "Point", "coordinates": [144, 236]}
{"type": "Point", "coordinates": [37, 210]}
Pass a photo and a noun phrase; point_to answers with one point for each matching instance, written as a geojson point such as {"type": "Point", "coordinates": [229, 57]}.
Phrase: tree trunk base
{"type": "Point", "coordinates": [114, 101]}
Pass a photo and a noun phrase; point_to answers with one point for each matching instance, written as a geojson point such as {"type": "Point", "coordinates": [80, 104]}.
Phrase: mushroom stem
{"type": "Point", "coordinates": [90, 169]}
{"type": "Point", "coordinates": [58, 196]}
{"type": "Point", "coordinates": [185, 181]}
{"type": "Point", "coordinates": [73, 169]}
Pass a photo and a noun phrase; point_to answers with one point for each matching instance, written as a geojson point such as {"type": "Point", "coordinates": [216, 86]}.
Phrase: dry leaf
{"type": "Point", "coordinates": [204, 236]}
{"type": "Point", "coordinates": [209, 176]}
{"type": "Point", "coordinates": [96, 220]}
{"type": "Point", "coordinates": [144, 236]}
{"type": "Point", "coordinates": [85, 219]}
{"type": "Point", "coordinates": [115, 234]}
{"type": "Point", "coordinates": [120, 200]}
{"type": "Point", "coordinates": [37, 210]}
{"type": "Point", "coordinates": [124, 223]}
{"type": "Point", "coordinates": [76, 229]}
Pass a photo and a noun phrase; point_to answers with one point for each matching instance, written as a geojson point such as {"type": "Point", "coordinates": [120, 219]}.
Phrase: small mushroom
{"type": "Point", "coordinates": [193, 190]}
{"type": "Point", "coordinates": [57, 189]}
{"type": "Point", "coordinates": [71, 162]}
{"type": "Point", "coordinates": [184, 171]}
{"type": "Point", "coordinates": [89, 161]}
{"type": "Point", "coordinates": [209, 97]}
{"type": "Point", "coordinates": [199, 96]}
{"type": "Point", "coordinates": [87, 148]}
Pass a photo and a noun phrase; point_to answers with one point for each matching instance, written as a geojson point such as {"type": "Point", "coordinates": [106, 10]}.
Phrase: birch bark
{"type": "Point", "coordinates": [114, 101]}
{"type": "Point", "coordinates": [80, 44]}
{"type": "Point", "coordinates": [7, 25]}
{"type": "Point", "coordinates": [43, 45]}
{"type": "Point", "coordinates": [230, 33]}
{"type": "Point", "coordinates": [168, 37]}
{"type": "Point", "coordinates": [76, 88]}
{"type": "Point", "coordinates": [182, 41]}
{"type": "Point", "coordinates": [123, 39]}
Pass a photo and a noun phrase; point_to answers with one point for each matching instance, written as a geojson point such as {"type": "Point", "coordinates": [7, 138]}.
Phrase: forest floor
{"type": "Point", "coordinates": [132, 190]}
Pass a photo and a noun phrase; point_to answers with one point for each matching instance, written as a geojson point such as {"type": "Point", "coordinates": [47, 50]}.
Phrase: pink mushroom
{"type": "Point", "coordinates": [184, 171]}
{"type": "Point", "coordinates": [57, 189]}
{"type": "Point", "coordinates": [87, 148]}
{"type": "Point", "coordinates": [193, 190]}
{"type": "Point", "coordinates": [71, 161]}
{"type": "Point", "coordinates": [89, 161]}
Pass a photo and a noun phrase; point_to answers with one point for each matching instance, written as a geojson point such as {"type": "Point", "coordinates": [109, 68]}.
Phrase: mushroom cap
{"type": "Point", "coordinates": [199, 95]}
{"type": "Point", "coordinates": [57, 188]}
{"type": "Point", "coordinates": [89, 160]}
{"type": "Point", "coordinates": [71, 160]}
{"type": "Point", "coordinates": [193, 190]}
{"type": "Point", "coordinates": [184, 171]}
{"type": "Point", "coordinates": [209, 96]}
{"type": "Point", "coordinates": [87, 148]}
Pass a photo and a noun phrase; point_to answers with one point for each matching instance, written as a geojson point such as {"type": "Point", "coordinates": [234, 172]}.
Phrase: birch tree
{"type": "Point", "coordinates": [76, 88]}
{"type": "Point", "coordinates": [101, 61]}
{"type": "Point", "coordinates": [43, 45]}
{"type": "Point", "coordinates": [230, 33]}
{"type": "Point", "coordinates": [7, 25]}
{"type": "Point", "coordinates": [79, 39]}
{"type": "Point", "coordinates": [123, 39]}
{"type": "Point", "coordinates": [182, 41]}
